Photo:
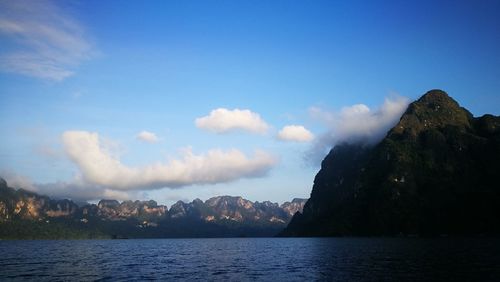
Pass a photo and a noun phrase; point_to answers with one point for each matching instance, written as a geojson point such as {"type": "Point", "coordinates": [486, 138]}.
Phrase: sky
{"type": "Point", "coordinates": [177, 100]}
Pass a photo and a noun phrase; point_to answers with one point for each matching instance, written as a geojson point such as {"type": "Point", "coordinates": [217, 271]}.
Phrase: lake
{"type": "Point", "coordinates": [250, 259]}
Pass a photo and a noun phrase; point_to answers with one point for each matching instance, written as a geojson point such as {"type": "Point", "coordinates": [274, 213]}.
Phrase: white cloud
{"type": "Point", "coordinates": [98, 167]}
{"type": "Point", "coordinates": [223, 120]}
{"type": "Point", "coordinates": [147, 136]}
{"type": "Point", "coordinates": [357, 123]}
{"type": "Point", "coordinates": [76, 189]}
{"type": "Point", "coordinates": [79, 190]}
{"type": "Point", "coordinates": [43, 40]}
{"type": "Point", "coordinates": [17, 181]}
{"type": "Point", "coordinates": [296, 133]}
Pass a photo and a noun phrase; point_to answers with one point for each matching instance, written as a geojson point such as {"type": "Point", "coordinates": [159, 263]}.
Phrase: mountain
{"type": "Point", "coordinates": [25, 214]}
{"type": "Point", "coordinates": [227, 208]}
{"type": "Point", "coordinates": [22, 204]}
{"type": "Point", "coordinates": [435, 173]}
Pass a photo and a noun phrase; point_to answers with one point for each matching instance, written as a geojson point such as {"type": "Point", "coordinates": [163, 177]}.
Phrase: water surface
{"type": "Point", "coordinates": [250, 259]}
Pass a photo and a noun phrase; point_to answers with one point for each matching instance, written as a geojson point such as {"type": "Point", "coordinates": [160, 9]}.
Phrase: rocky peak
{"type": "Point", "coordinates": [297, 205]}
{"type": "Point", "coordinates": [113, 210]}
{"type": "Point", "coordinates": [298, 201]}
{"type": "Point", "coordinates": [225, 201]}
{"type": "Point", "coordinates": [178, 209]}
{"type": "Point", "coordinates": [108, 204]}
{"type": "Point", "coordinates": [3, 183]}
{"type": "Point", "coordinates": [236, 209]}
{"type": "Point", "coordinates": [150, 203]}
{"type": "Point", "coordinates": [58, 208]}
{"type": "Point", "coordinates": [488, 125]}
{"type": "Point", "coordinates": [23, 204]}
{"type": "Point", "coordinates": [270, 204]}
{"type": "Point", "coordinates": [197, 201]}
{"type": "Point", "coordinates": [434, 173]}
{"type": "Point", "coordinates": [213, 201]}
{"type": "Point", "coordinates": [437, 96]}
{"type": "Point", "coordinates": [435, 109]}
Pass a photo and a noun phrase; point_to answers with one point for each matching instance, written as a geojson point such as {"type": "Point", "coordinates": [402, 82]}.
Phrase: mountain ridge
{"type": "Point", "coordinates": [219, 216]}
{"type": "Point", "coordinates": [435, 161]}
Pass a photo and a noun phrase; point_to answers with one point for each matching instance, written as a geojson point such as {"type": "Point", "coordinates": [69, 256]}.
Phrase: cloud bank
{"type": "Point", "coordinates": [357, 123]}
{"type": "Point", "coordinates": [222, 120]}
{"type": "Point", "coordinates": [148, 137]}
{"type": "Point", "coordinates": [41, 40]}
{"type": "Point", "coordinates": [296, 133]}
{"type": "Point", "coordinates": [80, 190]}
{"type": "Point", "coordinates": [99, 167]}
{"type": "Point", "coordinates": [18, 181]}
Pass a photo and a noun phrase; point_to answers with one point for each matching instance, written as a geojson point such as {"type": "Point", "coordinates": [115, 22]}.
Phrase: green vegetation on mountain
{"type": "Point", "coordinates": [27, 215]}
{"type": "Point", "coordinates": [435, 172]}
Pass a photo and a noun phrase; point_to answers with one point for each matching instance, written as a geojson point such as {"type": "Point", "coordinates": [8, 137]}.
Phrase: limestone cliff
{"type": "Point", "coordinates": [434, 173]}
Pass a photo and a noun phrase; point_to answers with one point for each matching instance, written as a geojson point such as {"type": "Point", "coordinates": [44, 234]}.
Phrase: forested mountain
{"type": "Point", "coordinates": [434, 173]}
{"type": "Point", "coordinates": [25, 214]}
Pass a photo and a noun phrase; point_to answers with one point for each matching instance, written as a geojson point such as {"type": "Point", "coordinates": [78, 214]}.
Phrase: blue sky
{"type": "Point", "coordinates": [101, 98]}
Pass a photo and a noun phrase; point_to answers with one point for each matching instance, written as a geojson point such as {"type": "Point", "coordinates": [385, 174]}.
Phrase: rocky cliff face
{"type": "Point", "coordinates": [297, 205]}
{"type": "Point", "coordinates": [113, 210]}
{"type": "Point", "coordinates": [22, 204]}
{"type": "Point", "coordinates": [216, 217]}
{"type": "Point", "coordinates": [434, 173]}
{"type": "Point", "coordinates": [236, 209]}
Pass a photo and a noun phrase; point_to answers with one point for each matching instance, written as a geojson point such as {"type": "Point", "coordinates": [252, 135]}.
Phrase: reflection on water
{"type": "Point", "coordinates": [289, 259]}
{"type": "Point", "coordinates": [393, 259]}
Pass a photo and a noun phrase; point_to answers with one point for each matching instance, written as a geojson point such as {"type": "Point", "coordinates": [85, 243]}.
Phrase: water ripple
{"type": "Point", "coordinates": [252, 259]}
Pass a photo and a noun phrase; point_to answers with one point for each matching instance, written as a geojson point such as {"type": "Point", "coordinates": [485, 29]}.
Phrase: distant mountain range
{"type": "Point", "coordinates": [25, 214]}
{"type": "Point", "coordinates": [435, 173]}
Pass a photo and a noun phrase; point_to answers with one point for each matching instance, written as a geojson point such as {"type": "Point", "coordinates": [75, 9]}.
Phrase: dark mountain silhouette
{"type": "Point", "coordinates": [435, 172]}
